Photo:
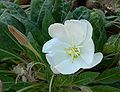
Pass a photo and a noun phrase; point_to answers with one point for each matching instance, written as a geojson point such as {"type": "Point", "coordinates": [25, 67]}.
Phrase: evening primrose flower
{"type": "Point", "coordinates": [71, 47]}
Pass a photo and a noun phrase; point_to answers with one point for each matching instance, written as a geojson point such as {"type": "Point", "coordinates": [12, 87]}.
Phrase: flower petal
{"type": "Point", "coordinates": [49, 59]}
{"type": "Point", "coordinates": [75, 31]}
{"type": "Point", "coordinates": [87, 51]}
{"type": "Point", "coordinates": [55, 51]}
{"type": "Point", "coordinates": [97, 59]}
{"type": "Point", "coordinates": [56, 58]}
{"type": "Point", "coordinates": [54, 45]}
{"type": "Point", "coordinates": [54, 70]}
{"type": "Point", "coordinates": [57, 30]}
{"type": "Point", "coordinates": [88, 28]}
{"type": "Point", "coordinates": [69, 66]}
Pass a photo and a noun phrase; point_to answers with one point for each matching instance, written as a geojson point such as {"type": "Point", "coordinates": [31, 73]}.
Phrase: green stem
{"type": "Point", "coordinates": [51, 81]}
{"type": "Point", "coordinates": [34, 51]}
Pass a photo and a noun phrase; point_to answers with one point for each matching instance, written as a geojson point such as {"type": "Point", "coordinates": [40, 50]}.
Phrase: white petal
{"type": "Point", "coordinates": [87, 51]}
{"type": "Point", "coordinates": [54, 70]}
{"type": "Point", "coordinates": [69, 67]}
{"type": "Point", "coordinates": [56, 57]}
{"type": "Point", "coordinates": [54, 45]}
{"type": "Point", "coordinates": [55, 50]}
{"type": "Point", "coordinates": [97, 59]}
{"type": "Point", "coordinates": [49, 59]}
{"type": "Point", "coordinates": [57, 30]}
{"type": "Point", "coordinates": [88, 28]}
{"type": "Point", "coordinates": [75, 30]}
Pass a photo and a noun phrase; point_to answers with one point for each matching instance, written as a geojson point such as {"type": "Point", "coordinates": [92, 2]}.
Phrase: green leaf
{"type": "Point", "coordinates": [38, 8]}
{"type": "Point", "coordinates": [66, 6]}
{"type": "Point", "coordinates": [85, 89]}
{"type": "Point", "coordinates": [109, 76]}
{"type": "Point", "coordinates": [81, 13]}
{"type": "Point", "coordinates": [1, 11]}
{"type": "Point", "coordinates": [8, 46]}
{"type": "Point", "coordinates": [116, 84]}
{"type": "Point", "coordinates": [36, 87]}
{"type": "Point", "coordinates": [35, 9]}
{"type": "Point", "coordinates": [68, 90]}
{"type": "Point", "coordinates": [47, 21]}
{"type": "Point", "coordinates": [19, 85]}
{"type": "Point", "coordinates": [69, 16]}
{"type": "Point", "coordinates": [33, 28]}
{"type": "Point", "coordinates": [14, 9]}
{"type": "Point", "coordinates": [6, 81]}
{"type": "Point", "coordinates": [32, 41]}
{"type": "Point", "coordinates": [5, 53]}
{"type": "Point", "coordinates": [57, 10]}
{"type": "Point", "coordinates": [108, 61]}
{"type": "Point", "coordinates": [103, 88]}
{"type": "Point", "coordinates": [113, 44]}
{"type": "Point", "coordinates": [9, 85]}
{"type": "Point", "coordinates": [9, 19]}
{"type": "Point", "coordinates": [35, 46]}
{"type": "Point", "coordinates": [7, 42]}
{"type": "Point", "coordinates": [65, 12]}
{"type": "Point", "coordinates": [35, 31]}
{"type": "Point", "coordinates": [63, 80]}
{"type": "Point", "coordinates": [97, 20]}
{"type": "Point", "coordinates": [85, 78]}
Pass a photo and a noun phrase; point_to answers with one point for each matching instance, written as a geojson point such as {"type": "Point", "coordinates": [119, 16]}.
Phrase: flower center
{"type": "Point", "coordinates": [74, 52]}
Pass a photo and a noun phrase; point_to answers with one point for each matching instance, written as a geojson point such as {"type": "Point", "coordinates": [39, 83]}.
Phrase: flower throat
{"type": "Point", "coordinates": [74, 52]}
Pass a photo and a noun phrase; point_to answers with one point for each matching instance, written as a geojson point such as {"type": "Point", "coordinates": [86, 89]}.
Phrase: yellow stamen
{"type": "Point", "coordinates": [74, 52]}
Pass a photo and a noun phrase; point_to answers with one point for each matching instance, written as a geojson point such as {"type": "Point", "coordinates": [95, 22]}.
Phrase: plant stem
{"type": "Point", "coordinates": [51, 81]}
{"type": "Point", "coordinates": [34, 51]}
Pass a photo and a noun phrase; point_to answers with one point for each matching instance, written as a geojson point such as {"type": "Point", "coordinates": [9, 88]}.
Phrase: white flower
{"type": "Point", "coordinates": [71, 47]}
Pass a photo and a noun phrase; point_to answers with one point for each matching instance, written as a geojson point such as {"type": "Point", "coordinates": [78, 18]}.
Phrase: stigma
{"type": "Point", "coordinates": [74, 52]}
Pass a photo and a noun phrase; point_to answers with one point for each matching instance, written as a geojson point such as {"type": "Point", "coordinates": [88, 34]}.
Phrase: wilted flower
{"type": "Point", "coordinates": [21, 72]}
{"type": "Point", "coordinates": [71, 47]}
{"type": "Point", "coordinates": [22, 39]}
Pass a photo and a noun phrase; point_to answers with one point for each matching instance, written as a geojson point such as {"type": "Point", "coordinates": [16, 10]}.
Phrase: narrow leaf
{"type": "Point", "coordinates": [109, 76]}
{"type": "Point", "coordinates": [85, 78]}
